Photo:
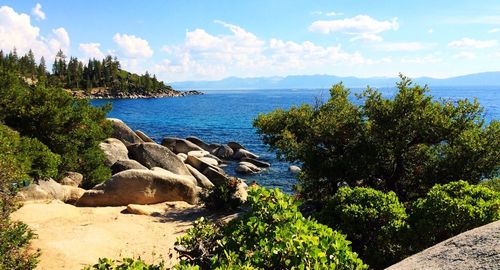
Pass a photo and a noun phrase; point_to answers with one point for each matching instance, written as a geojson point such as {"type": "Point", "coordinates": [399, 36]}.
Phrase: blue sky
{"type": "Point", "coordinates": [209, 40]}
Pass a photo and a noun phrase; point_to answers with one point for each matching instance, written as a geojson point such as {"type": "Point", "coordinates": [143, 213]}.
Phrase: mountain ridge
{"type": "Point", "coordinates": [491, 78]}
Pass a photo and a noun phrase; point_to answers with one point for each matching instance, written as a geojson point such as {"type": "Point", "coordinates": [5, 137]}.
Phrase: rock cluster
{"type": "Point", "coordinates": [145, 172]}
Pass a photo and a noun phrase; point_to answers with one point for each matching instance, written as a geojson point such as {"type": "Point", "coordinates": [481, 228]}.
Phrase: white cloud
{"type": "Point", "coordinates": [427, 59]}
{"type": "Point", "coordinates": [333, 14]}
{"type": "Point", "coordinates": [401, 46]}
{"type": "Point", "coordinates": [465, 55]}
{"type": "Point", "coordinates": [37, 12]}
{"type": "Point", "coordinates": [91, 50]}
{"type": "Point", "coordinates": [360, 26]}
{"type": "Point", "coordinates": [241, 53]}
{"type": "Point", "coordinates": [132, 46]}
{"type": "Point", "coordinates": [472, 43]}
{"type": "Point", "coordinates": [16, 31]}
{"type": "Point", "coordinates": [494, 30]}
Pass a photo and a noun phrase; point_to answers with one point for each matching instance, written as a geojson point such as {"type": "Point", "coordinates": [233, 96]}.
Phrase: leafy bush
{"type": "Point", "coordinates": [373, 220]}
{"type": "Point", "coordinates": [493, 184]}
{"type": "Point", "coordinates": [14, 236]}
{"type": "Point", "coordinates": [271, 235]}
{"type": "Point", "coordinates": [33, 156]}
{"type": "Point", "coordinates": [124, 264]}
{"type": "Point", "coordinates": [69, 127]}
{"type": "Point", "coordinates": [222, 197]}
{"type": "Point", "coordinates": [401, 144]}
{"type": "Point", "coordinates": [450, 209]}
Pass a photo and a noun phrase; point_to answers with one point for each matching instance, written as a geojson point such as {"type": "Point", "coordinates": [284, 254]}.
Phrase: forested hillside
{"type": "Point", "coordinates": [96, 78]}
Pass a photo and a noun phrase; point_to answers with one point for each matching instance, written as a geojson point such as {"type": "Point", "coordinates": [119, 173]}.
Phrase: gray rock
{"type": "Point", "coordinates": [155, 155]}
{"type": "Point", "coordinates": [478, 248]}
{"type": "Point", "coordinates": [141, 187]}
{"type": "Point", "coordinates": [294, 169]}
{"type": "Point", "coordinates": [198, 154]}
{"type": "Point", "coordinates": [197, 163]}
{"type": "Point", "coordinates": [224, 152]}
{"type": "Point", "coordinates": [202, 180]}
{"type": "Point", "coordinates": [169, 142]}
{"type": "Point", "coordinates": [127, 164]}
{"type": "Point", "coordinates": [185, 146]}
{"type": "Point", "coordinates": [217, 177]}
{"type": "Point", "coordinates": [212, 147]}
{"type": "Point", "coordinates": [241, 153]}
{"type": "Point", "coordinates": [50, 190]}
{"type": "Point", "coordinates": [72, 179]}
{"type": "Point", "coordinates": [247, 168]}
{"type": "Point", "coordinates": [203, 145]}
{"type": "Point", "coordinates": [256, 162]}
{"type": "Point", "coordinates": [123, 133]}
{"type": "Point", "coordinates": [113, 150]}
{"type": "Point", "coordinates": [143, 136]}
{"type": "Point", "coordinates": [235, 146]}
{"type": "Point", "coordinates": [210, 161]}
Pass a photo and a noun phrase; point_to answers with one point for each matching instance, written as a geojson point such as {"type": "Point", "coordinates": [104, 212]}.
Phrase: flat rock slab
{"type": "Point", "coordinates": [73, 237]}
{"type": "Point", "coordinates": [475, 249]}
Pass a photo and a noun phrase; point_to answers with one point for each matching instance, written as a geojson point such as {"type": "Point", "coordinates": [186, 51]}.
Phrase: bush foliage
{"type": "Point", "coordinates": [69, 127]}
{"type": "Point", "coordinates": [124, 264]}
{"type": "Point", "coordinates": [404, 144]}
{"type": "Point", "coordinates": [271, 235]}
{"type": "Point", "coordinates": [448, 210]}
{"type": "Point", "coordinates": [222, 197]}
{"type": "Point", "coordinates": [15, 167]}
{"type": "Point", "coordinates": [373, 220]}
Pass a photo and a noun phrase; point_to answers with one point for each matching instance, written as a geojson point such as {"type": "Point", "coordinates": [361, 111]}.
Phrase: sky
{"type": "Point", "coordinates": [210, 40]}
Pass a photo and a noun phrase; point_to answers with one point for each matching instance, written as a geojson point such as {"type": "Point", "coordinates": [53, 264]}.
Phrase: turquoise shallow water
{"type": "Point", "coordinates": [226, 115]}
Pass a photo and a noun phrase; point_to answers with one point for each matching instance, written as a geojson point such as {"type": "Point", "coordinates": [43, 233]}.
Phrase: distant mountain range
{"type": "Point", "coordinates": [325, 81]}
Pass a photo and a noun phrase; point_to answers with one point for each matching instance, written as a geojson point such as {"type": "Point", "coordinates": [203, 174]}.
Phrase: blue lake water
{"type": "Point", "coordinates": [226, 115]}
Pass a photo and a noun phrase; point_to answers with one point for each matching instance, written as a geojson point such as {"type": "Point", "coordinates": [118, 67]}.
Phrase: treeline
{"type": "Point", "coordinates": [73, 74]}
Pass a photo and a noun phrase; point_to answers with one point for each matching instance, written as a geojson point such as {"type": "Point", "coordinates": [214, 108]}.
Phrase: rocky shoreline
{"type": "Point", "coordinates": [107, 95]}
{"type": "Point", "coordinates": [146, 172]}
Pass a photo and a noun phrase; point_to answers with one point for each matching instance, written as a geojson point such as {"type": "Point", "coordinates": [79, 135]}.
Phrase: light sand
{"type": "Point", "coordinates": [72, 237]}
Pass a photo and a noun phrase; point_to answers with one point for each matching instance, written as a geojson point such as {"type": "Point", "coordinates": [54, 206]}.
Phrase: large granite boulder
{"type": "Point", "coordinates": [155, 155]}
{"type": "Point", "coordinates": [241, 153]}
{"type": "Point", "coordinates": [169, 142]}
{"type": "Point", "coordinates": [478, 248]}
{"type": "Point", "coordinates": [215, 175]}
{"type": "Point", "coordinates": [198, 154]}
{"type": "Point", "coordinates": [72, 179]}
{"type": "Point", "coordinates": [185, 146]}
{"type": "Point", "coordinates": [113, 150]}
{"type": "Point", "coordinates": [235, 146]}
{"type": "Point", "coordinates": [203, 145]}
{"type": "Point", "coordinates": [141, 187]}
{"type": "Point", "coordinates": [123, 132]}
{"type": "Point", "coordinates": [126, 164]}
{"type": "Point", "coordinates": [224, 152]}
{"type": "Point", "coordinates": [201, 179]}
{"type": "Point", "coordinates": [50, 190]}
{"type": "Point", "coordinates": [143, 136]}
{"type": "Point", "coordinates": [200, 163]}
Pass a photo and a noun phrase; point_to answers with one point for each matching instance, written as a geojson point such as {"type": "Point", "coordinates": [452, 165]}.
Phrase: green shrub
{"type": "Point", "coordinates": [14, 236]}
{"type": "Point", "coordinates": [222, 197]}
{"type": "Point", "coordinates": [373, 220]}
{"type": "Point", "coordinates": [69, 127]}
{"type": "Point", "coordinates": [493, 184]}
{"type": "Point", "coordinates": [450, 209]}
{"type": "Point", "coordinates": [402, 144]}
{"type": "Point", "coordinates": [271, 235]}
{"type": "Point", "coordinates": [124, 264]}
